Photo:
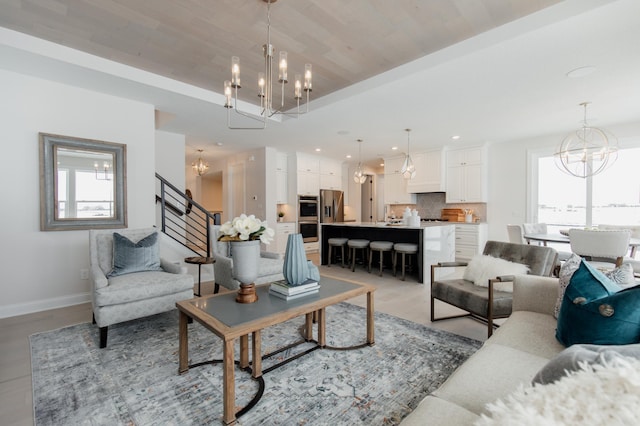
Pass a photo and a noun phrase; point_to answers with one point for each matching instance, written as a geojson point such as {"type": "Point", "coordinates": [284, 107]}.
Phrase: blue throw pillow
{"type": "Point", "coordinates": [595, 310]}
{"type": "Point", "coordinates": [131, 257]}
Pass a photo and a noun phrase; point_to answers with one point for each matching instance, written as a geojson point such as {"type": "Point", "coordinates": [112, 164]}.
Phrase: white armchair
{"type": "Point", "coordinates": [132, 294]}
{"type": "Point", "coordinates": [269, 269]}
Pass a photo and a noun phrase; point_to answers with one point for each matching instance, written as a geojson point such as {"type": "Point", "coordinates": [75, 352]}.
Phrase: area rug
{"type": "Point", "coordinates": [135, 381]}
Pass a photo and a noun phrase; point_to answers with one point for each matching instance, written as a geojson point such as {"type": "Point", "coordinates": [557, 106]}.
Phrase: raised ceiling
{"type": "Point", "coordinates": [193, 41]}
{"type": "Point", "coordinates": [490, 70]}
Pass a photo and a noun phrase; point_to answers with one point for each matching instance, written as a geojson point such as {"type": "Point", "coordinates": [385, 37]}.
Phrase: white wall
{"type": "Point", "coordinates": [170, 157]}
{"type": "Point", "coordinates": [509, 170]}
{"type": "Point", "coordinates": [41, 270]}
{"type": "Point", "coordinates": [255, 181]}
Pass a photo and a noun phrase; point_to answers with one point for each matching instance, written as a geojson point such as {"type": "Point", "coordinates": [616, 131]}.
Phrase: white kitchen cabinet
{"type": "Point", "coordinates": [308, 183]}
{"type": "Point", "coordinates": [308, 174]}
{"type": "Point", "coordinates": [281, 162]}
{"type": "Point", "coordinates": [282, 189]}
{"type": "Point", "coordinates": [283, 230]}
{"type": "Point", "coordinates": [331, 182]}
{"type": "Point", "coordinates": [330, 174]}
{"type": "Point", "coordinates": [307, 163]}
{"type": "Point", "coordinates": [429, 172]}
{"type": "Point", "coordinates": [395, 186]}
{"type": "Point", "coordinates": [466, 176]}
{"type": "Point", "coordinates": [470, 240]}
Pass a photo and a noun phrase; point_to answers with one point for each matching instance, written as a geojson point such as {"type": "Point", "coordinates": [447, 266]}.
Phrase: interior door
{"type": "Point", "coordinates": [367, 200]}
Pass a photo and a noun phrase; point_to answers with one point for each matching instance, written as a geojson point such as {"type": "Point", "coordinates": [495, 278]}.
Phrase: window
{"type": "Point", "coordinates": [611, 197]}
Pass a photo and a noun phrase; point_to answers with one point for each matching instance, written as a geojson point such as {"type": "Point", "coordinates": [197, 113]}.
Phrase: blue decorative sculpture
{"type": "Point", "coordinates": [296, 268]}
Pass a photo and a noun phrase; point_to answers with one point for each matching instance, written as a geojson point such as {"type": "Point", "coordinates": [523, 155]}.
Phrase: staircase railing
{"type": "Point", "coordinates": [183, 219]}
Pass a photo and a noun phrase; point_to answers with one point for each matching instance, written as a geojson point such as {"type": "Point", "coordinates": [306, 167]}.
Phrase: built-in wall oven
{"type": "Point", "coordinates": [308, 217]}
{"type": "Point", "coordinates": [309, 231]}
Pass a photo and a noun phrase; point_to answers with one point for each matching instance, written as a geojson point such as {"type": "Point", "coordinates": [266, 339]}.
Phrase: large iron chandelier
{"type": "Point", "coordinates": [358, 175]}
{"type": "Point", "coordinates": [408, 170]}
{"type": "Point", "coordinates": [587, 151]}
{"type": "Point", "coordinates": [266, 85]}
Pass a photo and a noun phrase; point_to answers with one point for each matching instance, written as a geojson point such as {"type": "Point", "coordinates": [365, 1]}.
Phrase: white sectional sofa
{"type": "Point", "coordinates": [513, 355]}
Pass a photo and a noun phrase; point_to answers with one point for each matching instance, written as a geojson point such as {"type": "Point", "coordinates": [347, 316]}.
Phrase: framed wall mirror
{"type": "Point", "coordinates": [82, 184]}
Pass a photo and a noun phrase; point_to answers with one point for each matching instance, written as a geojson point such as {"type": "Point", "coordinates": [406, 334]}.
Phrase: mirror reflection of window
{"type": "Point", "coordinates": [85, 185]}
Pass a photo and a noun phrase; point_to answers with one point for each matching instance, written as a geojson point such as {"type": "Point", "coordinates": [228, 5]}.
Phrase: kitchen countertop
{"type": "Point", "coordinates": [387, 225]}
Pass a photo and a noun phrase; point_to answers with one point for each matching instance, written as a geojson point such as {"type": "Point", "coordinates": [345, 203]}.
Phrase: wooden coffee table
{"type": "Point", "coordinates": [229, 320]}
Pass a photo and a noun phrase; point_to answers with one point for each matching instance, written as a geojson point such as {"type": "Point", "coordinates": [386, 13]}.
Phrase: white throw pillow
{"type": "Point", "coordinates": [622, 275]}
{"type": "Point", "coordinates": [481, 268]}
{"type": "Point", "coordinates": [597, 394]}
{"type": "Point", "coordinates": [566, 272]}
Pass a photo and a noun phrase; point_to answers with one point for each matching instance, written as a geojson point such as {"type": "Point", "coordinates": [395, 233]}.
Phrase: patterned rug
{"type": "Point", "coordinates": [134, 381]}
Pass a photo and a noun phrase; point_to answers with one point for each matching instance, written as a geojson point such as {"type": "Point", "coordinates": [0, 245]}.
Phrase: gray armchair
{"type": "Point", "coordinates": [128, 296]}
{"type": "Point", "coordinates": [269, 269]}
{"type": "Point", "coordinates": [487, 304]}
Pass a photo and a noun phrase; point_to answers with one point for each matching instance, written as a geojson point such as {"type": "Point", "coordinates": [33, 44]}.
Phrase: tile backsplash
{"type": "Point", "coordinates": [430, 206]}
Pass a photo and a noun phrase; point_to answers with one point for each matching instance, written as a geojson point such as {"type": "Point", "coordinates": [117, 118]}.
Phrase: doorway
{"type": "Point", "coordinates": [367, 200]}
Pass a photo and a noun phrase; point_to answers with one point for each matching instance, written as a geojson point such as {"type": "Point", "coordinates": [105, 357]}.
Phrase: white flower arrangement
{"type": "Point", "coordinates": [246, 228]}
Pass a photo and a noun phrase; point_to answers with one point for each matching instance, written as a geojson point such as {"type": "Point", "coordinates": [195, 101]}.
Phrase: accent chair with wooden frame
{"type": "Point", "coordinates": [485, 303]}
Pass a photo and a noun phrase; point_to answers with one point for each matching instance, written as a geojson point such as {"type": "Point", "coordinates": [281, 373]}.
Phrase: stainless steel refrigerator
{"type": "Point", "coordinates": [331, 206]}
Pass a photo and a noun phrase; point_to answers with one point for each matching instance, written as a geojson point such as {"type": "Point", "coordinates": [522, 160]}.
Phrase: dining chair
{"type": "Point", "coordinates": [631, 258]}
{"type": "Point", "coordinates": [634, 229]}
{"type": "Point", "coordinates": [535, 228]}
{"type": "Point", "coordinates": [541, 228]}
{"type": "Point", "coordinates": [601, 248]}
{"type": "Point", "coordinates": [515, 234]}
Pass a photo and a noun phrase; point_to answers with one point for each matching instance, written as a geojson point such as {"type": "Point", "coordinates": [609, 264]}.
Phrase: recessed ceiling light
{"type": "Point", "coordinates": [455, 137]}
{"type": "Point", "coordinates": [381, 164]}
{"type": "Point", "coordinates": [581, 72]}
{"type": "Point", "coordinates": [318, 149]}
{"type": "Point", "coordinates": [394, 148]}
{"type": "Point", "coordinates": [219, 143]}
{"type": "Point", "coordinates": [348, 155]}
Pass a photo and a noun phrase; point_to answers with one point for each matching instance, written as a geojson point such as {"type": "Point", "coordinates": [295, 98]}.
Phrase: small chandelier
{"type": "Point", "coordinates": [359, 176]}
{"type": "Point", "coordinates": [587, 151]}
{"type": "Point", "coordinates": [265, 84]}
{"type": "Point", "coordinates": [200, 166]}
{"type": "Point", "coordinates": [408, 170]}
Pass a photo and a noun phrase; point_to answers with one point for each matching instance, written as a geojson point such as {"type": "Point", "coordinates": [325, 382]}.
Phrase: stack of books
{"type": "Point", "coordinates": [288, 292]}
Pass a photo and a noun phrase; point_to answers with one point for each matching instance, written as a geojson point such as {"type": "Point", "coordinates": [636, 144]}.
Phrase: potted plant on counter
{"type": "Point", "coordinates": [280, 216]}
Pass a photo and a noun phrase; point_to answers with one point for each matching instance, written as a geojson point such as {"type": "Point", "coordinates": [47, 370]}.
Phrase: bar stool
{"type": "Point", "coordinates": [353, 246]}
{"type": "Point", "coordinates": [337, 243]}
{"type": "Point", "coordinates": [382, 247]}
{"type": "Point", "coordinates": [404, 249]}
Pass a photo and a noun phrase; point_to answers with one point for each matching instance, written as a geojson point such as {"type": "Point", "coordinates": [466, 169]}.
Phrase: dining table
{"type": "Point", "coordinates": [634, 243]}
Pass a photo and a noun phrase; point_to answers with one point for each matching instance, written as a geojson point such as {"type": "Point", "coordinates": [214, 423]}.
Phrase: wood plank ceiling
{"type": "Point", "coordinates": [192, 41]}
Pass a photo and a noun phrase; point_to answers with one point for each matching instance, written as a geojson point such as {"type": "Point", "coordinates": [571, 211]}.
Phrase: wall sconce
{"type": "Point", "coordinates": [104, 173]}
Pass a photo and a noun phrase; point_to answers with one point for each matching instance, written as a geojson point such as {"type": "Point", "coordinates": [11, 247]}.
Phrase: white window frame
{"type": "Point", "coordinates": [534, 154]}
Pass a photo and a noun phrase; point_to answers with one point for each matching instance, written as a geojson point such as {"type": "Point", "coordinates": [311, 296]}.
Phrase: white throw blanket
{"type": "Point", "coordinates": [595, 395]}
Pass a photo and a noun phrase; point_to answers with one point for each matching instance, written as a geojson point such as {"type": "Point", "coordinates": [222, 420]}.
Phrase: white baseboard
{"type": "Point", "coordinates": [43, 305]}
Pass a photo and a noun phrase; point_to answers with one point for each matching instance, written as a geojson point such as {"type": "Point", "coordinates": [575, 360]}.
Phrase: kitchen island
{"type": "Point", "coordinates": [435, 240]}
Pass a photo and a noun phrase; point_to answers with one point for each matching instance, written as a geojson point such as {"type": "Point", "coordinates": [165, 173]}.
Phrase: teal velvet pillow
{"type": "Point", "coordinates": [131, 257]}
{"type": "Point", "coordinates": [595, 310]}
